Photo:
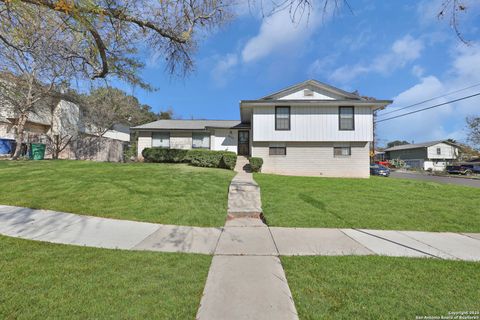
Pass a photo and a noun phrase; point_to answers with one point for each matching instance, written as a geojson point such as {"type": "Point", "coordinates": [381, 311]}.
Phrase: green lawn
{"type": "Point", "coordinates": [375, 203]}
{"type": "Point", "coordinates": [163, 193]}
{"type": "Point", "coordinates": [50, 281]}
{"type": "Point", "coordinates": [374, 287]}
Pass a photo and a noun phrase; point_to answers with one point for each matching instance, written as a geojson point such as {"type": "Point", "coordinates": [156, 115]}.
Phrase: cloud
{"type": "Point", "coordinates": [402, 52]}
{"type": "Point", "coordinates": [222, 70]}
{"type": "Point", "coordinates": [418, 71]}
{"type": "Point", "coordinates": [279, 32]}
{"type": "Point", "coordinates": [447, 121]}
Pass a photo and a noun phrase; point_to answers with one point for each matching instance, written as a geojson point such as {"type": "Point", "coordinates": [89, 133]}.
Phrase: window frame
{"type": "Point", "coordinates": [276, 148]}
{"type": "Point", "coordinates": [289, 118]}
{"type": "Point", "coordinates": [439, 151]}
{"type": "Point", "coordinates": [209, 142]}
{"type": "Point", "coordinates": [162, 132]}
{"type": "Point", "coordinates": [342, 155]}
{"type": "Point", "coordinates": [340, 118]}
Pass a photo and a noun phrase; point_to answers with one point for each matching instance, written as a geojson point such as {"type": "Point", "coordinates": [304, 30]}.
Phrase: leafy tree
{"type": "Point", "coordinates": [397, 143]}
{"type": "Point", "coordinates": [110, 33]}
{"type": "Point", "coordinates": [165, 114]}
{"type": "Point", "coordinates": [107, 106]}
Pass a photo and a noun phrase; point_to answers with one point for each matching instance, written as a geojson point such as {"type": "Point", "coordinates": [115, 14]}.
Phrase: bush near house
{"type": "Point", "coordinates": [256, 164]}
{"type": "Point", "coordinates": [196, 157]}
{"type": "Point", "coordinates": [229, 160]}
{"type": "Point", "coordinates": [164, 155]}
{"type": "Point", "coordinates": [212, 159]}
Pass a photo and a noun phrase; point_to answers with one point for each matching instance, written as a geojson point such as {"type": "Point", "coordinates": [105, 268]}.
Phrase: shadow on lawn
{"type": "Point", "coordinates": [320, 205]}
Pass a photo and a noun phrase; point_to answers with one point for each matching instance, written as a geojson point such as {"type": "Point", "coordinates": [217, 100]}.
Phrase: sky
{"type": "Point", "coordinates": [395, 50]}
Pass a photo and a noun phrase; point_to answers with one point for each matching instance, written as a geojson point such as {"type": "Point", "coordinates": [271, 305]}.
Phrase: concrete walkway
{"type": "Point", "coordinates": [67, 228]}
{"type": "Point", "coordinates": [242, 236]}
{"type": "Point", "coordinates": [244, 193]}
{"type": "Point", "coordinates": [246, 279]}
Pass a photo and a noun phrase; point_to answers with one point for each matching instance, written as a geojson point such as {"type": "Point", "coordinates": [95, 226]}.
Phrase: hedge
{"type": "Point", "coordinates": [255, 164]}
{"type": "Point", "coordinates": [212, 159]}
{"type": "Point", "coordinates": [164, 155]}
{"type": "Point", "coordinates": [196, 157]}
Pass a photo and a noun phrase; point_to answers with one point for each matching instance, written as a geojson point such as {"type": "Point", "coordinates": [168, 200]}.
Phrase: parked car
{"type": "Point", "coordinates": [379, 170]}
{"type": "Point", "coordinates": [465, 169]}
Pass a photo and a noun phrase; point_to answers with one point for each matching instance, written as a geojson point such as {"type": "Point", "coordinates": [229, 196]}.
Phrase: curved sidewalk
{"type": "Point", "coordinates": [237, 237]}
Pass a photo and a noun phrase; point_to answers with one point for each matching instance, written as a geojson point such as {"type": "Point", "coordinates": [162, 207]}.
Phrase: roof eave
{"type": "Point", "coordinates": [252, 103]}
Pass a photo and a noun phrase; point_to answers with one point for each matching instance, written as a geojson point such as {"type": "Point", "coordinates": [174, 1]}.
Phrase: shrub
{"type": "Point", "coordinates": [256, 164]}
{"type": "Point", "coordinates": [164, 155]}
{"type": "Point", "coordinates": [212, 159]}
{"type": "Point", "coordinates": [196, 157]}
{"type": "Point", "coordinates": [229, 160]}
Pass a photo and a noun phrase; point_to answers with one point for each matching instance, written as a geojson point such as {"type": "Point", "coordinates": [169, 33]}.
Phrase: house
{"type": "Point", "coordinates": [310, 129]}
{"type": "Point", "coordinates": [57, 121]}
{"type": "Point", "coordinates": [431, 155]}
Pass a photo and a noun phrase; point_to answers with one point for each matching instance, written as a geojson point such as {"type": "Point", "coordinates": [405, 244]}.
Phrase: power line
{"type": "Point", "coordinates": [431, 99]}
{"type": "Point", "coordinates": [434, 106]}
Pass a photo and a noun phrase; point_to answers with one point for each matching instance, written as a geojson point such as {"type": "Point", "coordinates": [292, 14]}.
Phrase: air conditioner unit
{"type": "Point", "coordinates": [307, 93]}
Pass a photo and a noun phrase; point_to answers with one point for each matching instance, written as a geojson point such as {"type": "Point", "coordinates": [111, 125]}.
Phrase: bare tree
{"type": "Point", "coordinates": [110, 33]}
{"type": "Point", "coordinates": [473, 125]}
{"type": "Point", "coordinates": [451, 9]}
{"type": "Point", "coordinates": [32, 68]}
{"type": "Point", "coordinates": [65, 125]}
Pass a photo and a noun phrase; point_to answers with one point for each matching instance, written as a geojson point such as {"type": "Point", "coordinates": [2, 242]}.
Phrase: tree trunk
{"type": "Point", "coordinates": [56, 147]}
{"type": "Point", "coordinates": [22, 120]}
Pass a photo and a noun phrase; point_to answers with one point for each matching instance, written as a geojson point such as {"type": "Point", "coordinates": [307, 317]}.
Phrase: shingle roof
{"type": "Point", "coordinates": [187, 124]}
{"type": "Point", "coordinates": [416, 145]}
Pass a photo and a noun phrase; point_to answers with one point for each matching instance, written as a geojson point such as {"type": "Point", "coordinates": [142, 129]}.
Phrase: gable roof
{"type": "Point", "coordinates": [187, 124]}
{"type": "Point", "coordinates": [309, 84]}
{"type": "Point", "coordinates": [419, 145]}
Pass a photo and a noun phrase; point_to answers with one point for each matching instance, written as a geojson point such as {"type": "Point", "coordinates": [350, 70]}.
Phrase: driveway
{"type": "Point", "coordinates": [450, 180]}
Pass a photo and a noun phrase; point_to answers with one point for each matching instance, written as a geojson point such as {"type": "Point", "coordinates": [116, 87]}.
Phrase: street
{"type": "Point", "coordinates": [439, 179]}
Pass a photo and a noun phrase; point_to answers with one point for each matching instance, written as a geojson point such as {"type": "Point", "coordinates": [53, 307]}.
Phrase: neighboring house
{"type": "Point", "coordinates": [119, 132]}
{"type": "Point", "coordinates": [307, 129]}
{"type": "Point", "coordinates": [63, 119]}
{"type": "Point", "coordinates": [432, 155]}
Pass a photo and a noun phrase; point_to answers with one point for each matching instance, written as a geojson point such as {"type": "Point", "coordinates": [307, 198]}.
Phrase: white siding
{"type": "Point", "coordinates": [180, 139]}
{"type": "Point", "coordinates": [144, 141]}
{"type": "Point", "coordinates": [315, 159]}
{"type": "Point", "coordinates": [447, 151]}
{"type": "Point", "coordinates": [311, 123]}
{"type": "Point", "coordinates": [318, 94]}
{"type": "Point", "coordinates": [117, 135]}
{"type": "Point", "coordinates": [435, 165]}
{"type": "Point", "coordinates": [225, 140]}
{"type": "Point", "coordinates": [299, 95]}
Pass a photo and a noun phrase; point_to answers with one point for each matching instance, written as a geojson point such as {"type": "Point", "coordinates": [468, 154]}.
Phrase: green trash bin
{"type": "Point", "coordinates": [37, 151]}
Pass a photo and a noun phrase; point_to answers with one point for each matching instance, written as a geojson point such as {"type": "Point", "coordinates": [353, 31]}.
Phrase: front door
{"type": "Point", "coordinates": [243, 143]}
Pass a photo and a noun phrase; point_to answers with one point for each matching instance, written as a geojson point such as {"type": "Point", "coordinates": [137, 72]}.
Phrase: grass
{"type": "Point", "coordinates": [375, 203]}
{"type": "Point", "coordinates": [51, 281]}
{"type": "Point", "coordinates": [381, 287]}
{"type": "Point", "coordinates": [162, 193]}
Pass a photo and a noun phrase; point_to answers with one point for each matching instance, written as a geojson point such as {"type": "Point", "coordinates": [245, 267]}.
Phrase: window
{"type": "Point", "coordinates": [282, 118]}
{"type": "Point", "coordinates": [346, 118]}
{"type": "Point", "coordinates": [342, 151]}
{"type": "Point", "coordinates": [161, 139]}
{"type": "Point", "coordinates": [201, 140]}
{"type": "Point", "coordinates": [277, 151]}
{"type": "Point", "coordinates": [439, 151]}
